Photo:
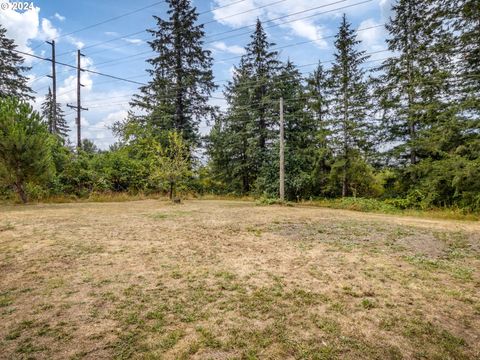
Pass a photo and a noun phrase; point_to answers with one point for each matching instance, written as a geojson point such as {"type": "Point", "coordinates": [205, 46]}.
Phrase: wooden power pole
{"type": "Point", "coordinates": [79, 107]}
{"type": "Point", "coordinates": [282, 154]}
{"type": "Point", "coordinates": [54, 87]}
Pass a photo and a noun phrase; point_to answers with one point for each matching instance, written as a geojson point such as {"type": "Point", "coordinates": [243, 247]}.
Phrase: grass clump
{"type": "Point", "coordinates": [272, 201]}
{"type": "Point", "coordinates": [7, 226]}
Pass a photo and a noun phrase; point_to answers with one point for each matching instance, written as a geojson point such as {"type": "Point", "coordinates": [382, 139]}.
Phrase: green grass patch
{"type": "Point", "coordinates": [388, 207]}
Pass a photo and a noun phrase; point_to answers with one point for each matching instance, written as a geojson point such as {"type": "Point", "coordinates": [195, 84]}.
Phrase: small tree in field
{"type": "Point", "coordinates": [24, 146]}
{"type": "Point", "coordinates": [170, 161]}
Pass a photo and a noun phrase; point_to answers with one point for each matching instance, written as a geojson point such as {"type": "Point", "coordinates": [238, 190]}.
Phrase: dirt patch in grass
{"type": "Point", "coordinates": [227, 279]}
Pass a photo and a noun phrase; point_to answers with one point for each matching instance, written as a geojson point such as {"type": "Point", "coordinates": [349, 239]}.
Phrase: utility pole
{"type": "Point", "coordinates": [79, 103]}
{"type": "Point", "coordinates": [282, 154]}
{"type": "Point", "coordinates": [54, 87]}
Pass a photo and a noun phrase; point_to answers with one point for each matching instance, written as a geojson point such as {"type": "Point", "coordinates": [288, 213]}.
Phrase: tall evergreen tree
{"type": "Point", "coordinates": [317, 102]}
{"type": "Point", "coordinates": [468, 25]}
{"type": "Point", "coordinates": [317, 95]}
{"type": "Point", "coordinates": [12, 81]}
{"type": "Point", "coordinates": [240, 140]}
{"type": "Point", "coordinates": [56, 124]}
{"type": "Point", "coordinates": [177, 96]}
{"type": "Point", "coordinates": [466, 15]}
{"type": "Point", "coordinates": [232, 142]}
{"type": "Point", "coordinates": [349, 104]}
{"type": "Point", "coordinates": [262, 65]}
{"type": "Point", "coordinates": [413, 90]}
{"type": "Point", "coordinates": [300, 140]}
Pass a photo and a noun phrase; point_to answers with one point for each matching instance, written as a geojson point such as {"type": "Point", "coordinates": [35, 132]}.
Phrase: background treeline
{"type": "Point", "coordinates": [405, 130]}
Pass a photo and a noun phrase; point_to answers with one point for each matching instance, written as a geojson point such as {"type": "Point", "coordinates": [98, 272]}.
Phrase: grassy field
{"type": "Point", "coordinates": [232, 280]}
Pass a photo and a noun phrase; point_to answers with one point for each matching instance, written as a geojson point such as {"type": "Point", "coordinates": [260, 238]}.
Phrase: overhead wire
{"type": "Point", "coordinates": [84, 70]}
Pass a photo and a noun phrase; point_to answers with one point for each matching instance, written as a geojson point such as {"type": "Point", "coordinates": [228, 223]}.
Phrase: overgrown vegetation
{"type": "Point", "coordinates": [402, 135]}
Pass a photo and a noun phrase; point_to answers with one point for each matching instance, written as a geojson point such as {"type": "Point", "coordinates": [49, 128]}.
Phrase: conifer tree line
{"type": "Point", "coordinates": [406, 131]}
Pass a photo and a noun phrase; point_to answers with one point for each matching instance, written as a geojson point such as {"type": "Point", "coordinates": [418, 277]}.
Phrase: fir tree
{"type": "Point", "coordinates": [300, 140]}
{"type": "Point", "coordinates": [317, 102]}
{"type": "Point", "coordinates": [317, 95]}
{"type": "Point", "coordinates": [262, 65]}
{"type": "Point", "coordinates": [56, 124]}
{"type": "Point", "coordinates": [232, 144]}
{"type": "Point", "coordinates": [349, 104]}
{"type": "Point", "coordinates": [468, 25]}
{"type": "Point", "coordinates": [414, 87]}
{"type": "Point", "coordinates": [466, 15]}
{"type": "Point", "coordinates": [177, 96]}
{"type": "Point", "coordinates": [240, 140]}
{"type": "Point", "coordinates": [12, 82]}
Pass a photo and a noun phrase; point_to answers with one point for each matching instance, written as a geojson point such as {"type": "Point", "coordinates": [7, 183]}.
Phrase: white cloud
{"type": "Point", "coordinates": [21, 27]}
{"type": "Point", "coordinates": [59, 17]}
{"type": "Point", "coordinates": [100, 132]}
{"type": "Point", "coordinates": [48, 32]}
{"type": "Point", "coordinates": [385, 5]}
{"type": "Point", "coordinates": [373, 38]}
{"type": "Point", "coordinates": [74, 41]}
{"type": "Point", "coordinates": [108, 121]}
{"type": "Point", "coordinates": [133, 41]}
{"type": "Point", "coordinates": [111, 33]}
{"type": "Point", "coordinates": [232, 49]}
{"type": "Point", "coordinates": [66, 92]}
{"type": "Point", "coordinates": [309, 31]}
{"type": "Point", "coordinates": [228, 15]}
{"type": "Point", "coordinates": [310, 28]}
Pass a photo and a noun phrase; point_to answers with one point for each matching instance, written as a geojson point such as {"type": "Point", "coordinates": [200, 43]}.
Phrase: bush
{"type": "Point", "coordinates": [25, 147]}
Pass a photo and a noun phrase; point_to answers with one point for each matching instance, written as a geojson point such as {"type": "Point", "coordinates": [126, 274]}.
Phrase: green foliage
{"type": "Point", "coordinates": [176, 98]}
{"type": "Point", "coordinates": [413, 85]}
{"type": "Point", "coordinates": [170, 163]}
{"type": "Point", "coordinates": [240, 142]}
{"type": "Point", "coordinates": [443, 183]}
{"type": "Point", "coordinates": [12, 81]}
{"type": "Point", "coordinates": [25, 147]}
{"type": "Point", "coordinates": [360, 204]}
{"type": "Point", "coordinates": [54, 117]}
{"type": "Point", "coordinates": [349, 108]}
{"type": "Point", "coordinates": [361, 178]}
{"type": "Point", "coordinates": [408, 135]}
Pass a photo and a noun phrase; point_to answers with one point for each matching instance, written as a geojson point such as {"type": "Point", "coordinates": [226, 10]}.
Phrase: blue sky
{"type": "Point", "coordinates": [124, 56]}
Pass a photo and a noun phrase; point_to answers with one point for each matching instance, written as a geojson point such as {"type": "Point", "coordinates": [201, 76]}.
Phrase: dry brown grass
{"type": "Point", "coordinates": [228, 279]}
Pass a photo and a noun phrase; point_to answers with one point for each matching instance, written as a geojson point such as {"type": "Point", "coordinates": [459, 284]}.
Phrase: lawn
{"type": "Point", "coordinates": [233, 280]}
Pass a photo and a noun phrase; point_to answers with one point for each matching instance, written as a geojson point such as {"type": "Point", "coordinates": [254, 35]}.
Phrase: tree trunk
{"type": "Point", "coordinates": [21, 193]}
{"type": "Point", "coordinates": [171, 190]}
{"type": "Point", "coordinates": [344, 181]}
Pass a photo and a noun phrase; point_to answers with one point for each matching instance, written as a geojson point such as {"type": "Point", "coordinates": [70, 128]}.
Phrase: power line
{"type": "Point", "coordinates": [285, 22]}
{"type": "Point", "coordinates": [282, 17]}
{"type": "Point", "coordinates": [304, 42]}
{"type": "Point", "coordinates": [140, 55]}
{"type": "Point", "coordinates": [221, 7]}
{"type": "Point", "coordinates": [110, 19]}
{"type": "Point", "coordinates": [432, 82]}
{"type": "Point", "coordinates": [253, 82]}
{"type": "Point", "coordinates": [102, 83]}
{"type": "Point", "coordinates": [86, 70]}
{"type": "Point", "coordinates": [136, 32]}
{"type": "Point", "coordinates": [248, 26]}
{"type": "Point", "coordinates": [244, 12]}
{"type": "Point", "coordinates": [104, 42]}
